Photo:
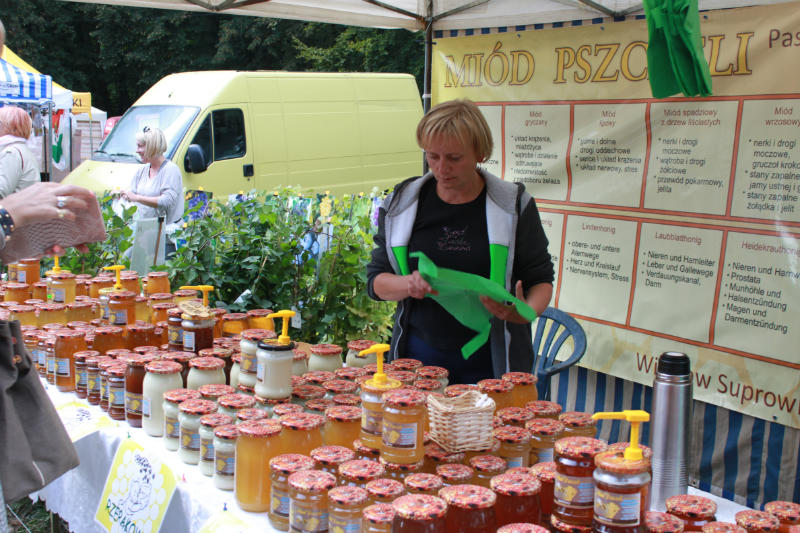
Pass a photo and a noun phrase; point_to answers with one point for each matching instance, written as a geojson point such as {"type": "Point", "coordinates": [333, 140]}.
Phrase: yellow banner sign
{"type": "Point", "coordinates": [81, 103]}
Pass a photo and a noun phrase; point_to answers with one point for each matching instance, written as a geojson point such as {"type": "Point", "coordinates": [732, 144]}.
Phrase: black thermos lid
{"type": "Point", "coordinates": [674, 364]}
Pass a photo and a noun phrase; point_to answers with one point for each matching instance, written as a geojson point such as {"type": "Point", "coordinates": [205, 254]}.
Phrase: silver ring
{"type": "Point", "coordinates": [61, 213]}
{"type": "Point", "coordinates": [61, 202]}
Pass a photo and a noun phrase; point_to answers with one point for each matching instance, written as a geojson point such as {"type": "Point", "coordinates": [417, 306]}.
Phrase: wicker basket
{"type": "Point", "coordinates": [461, 423]}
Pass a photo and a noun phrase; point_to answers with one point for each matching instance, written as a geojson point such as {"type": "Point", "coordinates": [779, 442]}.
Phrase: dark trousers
{"type": "Point", "coordinates": [472, 370]}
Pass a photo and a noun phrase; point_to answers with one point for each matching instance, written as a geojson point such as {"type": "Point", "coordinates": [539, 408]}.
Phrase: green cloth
{"type": "Point", "coordinates": [459, 294]}
{"type": "Point", "coordinates": [675, 61]}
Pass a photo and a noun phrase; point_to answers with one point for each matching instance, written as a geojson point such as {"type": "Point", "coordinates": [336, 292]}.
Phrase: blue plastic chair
{"type": "Point", "coordinates": [553, 328]}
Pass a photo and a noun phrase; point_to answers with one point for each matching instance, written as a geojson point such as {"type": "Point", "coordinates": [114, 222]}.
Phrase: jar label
{"type": "Point", "coordinates": [59, 295]}
{"type": "Point", "coordinates": [146, 407]}
{"type": "Point", "coordinates": [120, 317]}
{"type": "Point", "coordinates": [260, 372]}
{"type": "Point", "coordinates": [344, 525]}
{"type": "Point", "coordinates": [40, 356]}
{"type": "Point", "coordinates": [51, 365]}
{"type": "Point", "coordinates": [188, 341]}
{"type": "Point", "coordinates": [573, 490]}
{"type": "Point", "coordinates": [116, 397]}
{"type": "Point", "coordinates": [22, 276]}
{"type": "Point", "coordinates": [172, 427]}
{"type": "Point", "coordinates": [617, 509]}
{"type": "Point", "coordinates": [248, 364]}
{"type": "Point", "coordinates": [545, 454]}
{"type": "Point", "coordinates": [104, 305]}
{"type": "Point", "coordinates": [225, 464]}
{"type": "Point", "coordinates": [514, 462]}
{"type": "Point", "coordinates": [62, 367]}
{"type": "Point", "coordinates": [133, 403]}
{"type": "Point", "coordinates": [81, 377]}
{"type": "Point", "coordinates": [92, 383]}
{"type": "Point", "coordinates": [371, 421]}
{"type": "Point", "coordinates": [174, 335]}
{"type": "Point", "coordinates": [397, 435]}
{"type": "Point", "coordinates": [307, 520]}
{"type": "Point", "coordinates": [206, 449]}
{"type": "Point", "coordinates": [279, 503]}
{"type": "Point", "coordinates": [190, 439]}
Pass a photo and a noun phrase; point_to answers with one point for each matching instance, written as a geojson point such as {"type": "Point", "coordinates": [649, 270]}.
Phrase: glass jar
{"type": "Point", "coordinates": [259, 319]}
{"type": "Point", "coordinates": [67, 342]}
{"type": "Point", "coordinates": [160, 377]}
{"type": "Point", "coordinates": [498, 390]}
{"type": "Point", "coordinates": [546, 474]}
{"type": "Point", "coordinates": [302, 432]}
{"type": "Point", "coordinates": [419, 513]}
{"type": "Point", "coordinates": [351, 400]}
{"type": "Point", "coordinates": [377, 518]}
{"type": "Point", "coordinates": [399, 471]}
{"type": "Point", "coordinates": [285, 408]}
{"type": "Point", "coordinates": [172, 425]}
{"type": "Point", "coordinates": [28, 271]}
{"type": "Point", "coordinates": [517, 498]}
{"type": "Point", "coordinates": [116, 390]}
{"type": "Point", "coordinates": [515, 445]}
{"type": "Point", "coordinates": [788, 513]}
{"type": "Point", "coordinates": [621, 494]}
{"type": "Point", "coordinates": [695, 511]}
{"type": "Point", "coordinates": [325, 357]}
{"type": "Point", "coordinates": [233, 380]}
{"type": "Point", "coordinates": [544, 409]}
{"type": "Point", "coordinates": [121, 308]}
{"type": "Point", "coordinates": [99, 282]}
{"type": "Point", "coordinates": [757, 521]}
{"type": "Point", "coordinates": [80, 311]}
{"type": "Point", "coordinates": [451, 391]}
{"type": "Point", "coordinates": [225, 456]}
{"type": "Point", "coordinates": [134, 383]}
{"type": "Point", "coordinates": [353, 348]}
{"type": "Point", "coordinates": [174, 329]}
{"type": "Point", "coordinates": [299, 362]}
{"type": "Point", "coordinates": [304, 393]}
{"type": "Point", "coordinates": [215, 391]}
{"type": "Point", "coordinates": [198, 331]}
{"type": "Point", "coordinates": [253, 413]}
{"type": "Point", "coordinates": [267, 405]}
{"type": "Point", "coordinates": [435, 455]}
{"type": "Point", "coordinates": [17, 292]}
{"type": "Point", "coordinates": [183, 358]}
{"type": "Point", "coordinates": [577, 424]}
{"type": "Point", "coordinates": [656, 522]}
{"type": "Point", "coordinates": [156, 282]}
{"type": "Point", "coordinates": [233, 324]}
{"type": "Point", "coordinates": [26, 314]}
{"type": "Point", "coordinates": [103, 367]}
{"type": "Point", "coordinates": [141, 309]}
{"type": "Point", "coordinates": [348, 373]}
{"type": "Point", "coordinates": [470, 508]}
{"type": "Point", "coordinates": [339, 386]}
{"type": "Point", "coordinates": [274, 370]}
{"type": "Point", "coordinates": [544, 434]}
{"type": "Point", "coordinates": [31, 340]}
{"type": "Point", "coordinates": [486, 467]}
{"type": "Point", "coordinates": [189, 416]}
{"type": "Point", "coordinates": [208, 423]}
{"type": "Point", "coordinates": [514, 416]}
{"type": "Point", "coordinates": [158, 313]}
{"type": "Point", "coordinates": [573, 492]}
{"type": "Point", "coordinates": [402, 425]}
{"type": "Point", "coordinates": [406, 377]}
{"type": "Point", "coordinates": [93, 379]}
{"type": "Point", "coordinates": [52, 314]}
{"type": "Point", "coordinates": [429, 385]}
{"type": "Point", "coordinates": [81, 375]}
{"type": "Point", "coordinates": [384, 490]}
{"type": "Point", "coordinates": [559, 526]}
{"type": "Point", "coordinates": [40, 355]}
{"type": "Point", "coordinates": [205, 370]}
{"type": "Point", "coordinates": [108, 338]}
{"type": "Point", "coordinates": [248, 367]}
{"type": "Point", "coordinates": [318, 377]}
{"type": "Point", "coordinates": [130, 281]}
{"type": "Point", "coordinates": [220, 353]}
{"type": "Point", "coordinates": [365, 452]}
{"type": "Point", "coordinates": [455, 474]}
{"type": "Point", "coordinates": [438, 373]}
{"type": "Point", "coordinates": [328, 458]}
{"type": "Point", "coordinates": [342, 425]}
{"type": "Point", "coordinates": [62, 287]}
{"type": "Point", "coordinates": [422, 483]}
{"type": "Point", "coordinates": [39, 291]}
{"type": "Point", "coordinates": [50, 356]}
{"type": "Point", "coordinates": [183, 295]}
{"type": "Point", "coordinates": [406, 364]}
{"type": "Point", "coordinates": [345, 507]}
{"type": "Point", "coordinates": [359, 472]}
{"type": "Point", "coordinates": [308, 500]}
{"type": "Point", "coordinates": [372, 393]}
{"type": "Point", "coordinates": [140, 334]}
{"type": "Point", "coordinates": [230, 404]}
{"type": "Point", "coordinates": [280, 468]}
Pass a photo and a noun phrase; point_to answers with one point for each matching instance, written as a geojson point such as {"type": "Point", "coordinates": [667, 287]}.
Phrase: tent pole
{"type": "Point", "coordinates": [426, 92]}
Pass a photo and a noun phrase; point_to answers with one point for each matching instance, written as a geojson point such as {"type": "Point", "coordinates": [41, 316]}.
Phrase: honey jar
{"type": "Point", "coordinates": [435, 455]}
{"type": "Point", "coordinates": [197, 325]}
{"type": "Point", "coordinates": [470, 509]}
{"type": "Point", "coordinates": [546, 474]}
{"type": "Point", "coordinates": [524, 390]}
{"type": "Point", "coordinates": [308, 500]}
{"type": "Point", "coordinates": [352, 400]}
{"type": "Point", "coordinates": [347, 373]}
{"type": "Point", "coordinates": [342, 425]}
{"type": "Point", "coordinates": [522, 527]}
{"type": "Point", "coordinates": [353, 348]}
{"type": "Point", "coordinates": [158, 313]}
{"type": "Point", "coordinates": [438, 373]}
{"type": "Point", "coordinates": [62, 287]}
{"type": "Point", "coordinates": [372, 394]}
{"type": "Point", "coordinates": [134, 382]}
{"type": "Point", "coordinates": [303, 393]}
{"type": "Point", "coordinates": [99, 282]}
{"type": "Point", "coordinates": [52, 313]}
{"type": "Point", "coordinates": [788, 513]}
{"type": "Point", "coordinates": [204, 371]}
{"type": "Point", "coordinates": [622, 492]}
{"type": "Point", "coordinates": [17, 292]}
{"type": "Point", "coordinates": [67, 342]}
{"type": "Point", "coordinates": [328, 458]}
{"type": "Point", "coordinates": [214, 391]}
{"type": "Point", "coordinates": [93, 380]}
{"type": "Point", "coordinates": [225, 456]}
{"type": "Point", "coordinates": [116, 390]}
{"type": "Point", "coordinates": [318, 377]}
{"type": "Point", "coordinates": [81, 373]}
{"type": "Point", "coordinates": [160, 377]}
{"type": "Point", "coordinates": [515, 445]}
{"type": "Point", "coordinates": [399, 471]}
{"type": "Point", "coordinates": [108, 338]}
{"type": "Point", "coordinates": [208, 423]}
{"type": "Point", "coordinates": [359, 472]}
{"type": "Point", "coordinates": [252, 413]}
{"type": "Point", "coordinates": [218, 313]}
{"type": "Point", "coordinates": [26, 314]}
{"type": "Point", "coordinates": [544, 434]}
{"type": "Point", "coordinates": [346, 506]}
{"type": "Point", "coordinates": [28, 271]}
{"type": "Point", "coordinates": [429, 385]}
{"type": "Point", "coordinates": [325, 357]}
{"type": "Point", "coordinates": [485, 468]}
{"type": "Point", "coordinates": [544, 409]}
{"type": "Point", "coordinates": [156, 283]}
{"type": "Point", "coordinates": [130, 281]}
{"type": "Point", "coordinates": [189, 416]}
{"type": "Point", "coordinates": [403, 426]}
{"type": "Point", "coordinates": [573, 492]}
{"type": "Point", "coordinates": [172, 424]}
{"type": "Point", "coordinates": [384, 490]}
{"type": "Point", "coordinates": [577, 424]}
{"type": "Point", "coordinates": [230, 404]}
{"type": "Point", "coordinates": [302, 432]}
{"type": "Point", "coordinates": [258, 442]}
{"type": "Point", "coordinates": [419, 513]}
{"type": "Point", "coordinates": [284, 408]}
{"type": "Point", "coordinates": [515, 416]}
{"type": "Point", "coordinates": [234, 324]}
{"type": "Point", "coordinates": [80, 311]}
{"type": "Point", "coordinates": [422, 483]}
{"type": "Point", "coordinates": [259, 319]}
{"type": "Point", "coordinates": [517, 498]}
{"type": "Point", "coordinates": [406, 377]}
{"type": "Point", "coordinates": [656, 522]}
{"type": "Point", "coordinates": [451, 391]}
{"type": "Point", "coordinates": [757, 521]}
{"type": "Point", "coordinates": [455, 474]}
{"type": "Point", "coordinates": [174, 329]}
{"type": "Point", "coordinates": [339, 386]}
{"type": "Point", "coordinates": [695, 511]}
{"type": "Point", "coordinates": [498, 390]}
{"type": "Point", "coordinates": [274, 366]}
{"type": "Point", "coordinates": [281, 467]}
{"type": "Point", "coordinates": [121, 308]}
{"type": "Point", "coordinates": [248, 366]}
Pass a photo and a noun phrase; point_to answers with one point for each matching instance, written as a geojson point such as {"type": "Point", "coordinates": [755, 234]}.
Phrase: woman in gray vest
{"type": "Point", "coordinates": [463, 218]}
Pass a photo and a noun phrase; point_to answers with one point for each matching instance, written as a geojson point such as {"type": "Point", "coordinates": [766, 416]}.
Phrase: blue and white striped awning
{"type": "Point", "coordinates": [20, 85]}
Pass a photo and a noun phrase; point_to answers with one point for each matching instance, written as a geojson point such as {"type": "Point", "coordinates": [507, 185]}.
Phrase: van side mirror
{"type": "Point", "coordinates": [195, 160]}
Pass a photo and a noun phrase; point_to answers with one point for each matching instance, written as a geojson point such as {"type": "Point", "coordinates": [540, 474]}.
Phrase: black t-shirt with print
{"type": "Point", "coordinates": [453, 236]}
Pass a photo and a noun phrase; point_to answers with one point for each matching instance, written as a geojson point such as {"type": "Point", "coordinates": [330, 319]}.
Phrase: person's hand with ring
{"type": "Point", "coordinates": [503, 311]}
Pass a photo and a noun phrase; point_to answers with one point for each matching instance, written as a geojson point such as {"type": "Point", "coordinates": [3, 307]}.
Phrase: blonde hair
{"type": "Point", "coordinates": [457, 119]}
{"type": "Point", "coordinates": [15, 121]}
{"type": "Point", "coordinates": [2, 36]}
{"type": "Point", "coordinates": [154, 141]}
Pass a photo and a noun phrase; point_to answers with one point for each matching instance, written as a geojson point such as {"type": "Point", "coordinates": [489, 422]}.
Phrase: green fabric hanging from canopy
{"type": "Point", "coordinates": [675, 61]}
{"type": "Point", "coordinates": [459, 294]}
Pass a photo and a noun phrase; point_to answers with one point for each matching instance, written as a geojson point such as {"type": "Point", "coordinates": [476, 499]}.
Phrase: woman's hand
{"type": "Point", "coordinates": [129, 196]}
{"type": "Point", "coordinates": [417, 286]}
{"type": "Point", "coordinates": [42, 202]}
{"type": "Point", "coordinates": [506, 312]}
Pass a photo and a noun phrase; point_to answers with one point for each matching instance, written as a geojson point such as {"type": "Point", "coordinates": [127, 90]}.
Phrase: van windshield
{"type": "Point", "coordinates": [120, 145]}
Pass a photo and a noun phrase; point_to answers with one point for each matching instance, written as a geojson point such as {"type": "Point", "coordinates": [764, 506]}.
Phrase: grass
{"type": "Point", "coordinates": [33, 517]}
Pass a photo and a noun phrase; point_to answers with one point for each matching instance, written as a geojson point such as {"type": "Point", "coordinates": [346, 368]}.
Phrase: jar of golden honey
{"type": "Point", "coordinates": [17, 292]}
{"type": "Point", "coordinates": [302, 432]}
{"type": "Point", "coordinates": [621, 494]}
{"type": "Point", "coordinates": [158, 313]}
{"type": "Point", "coordinates": [353, 348]}
{"type": "Point", "coordinates": [377, 518]}
{"type": "Point", "coordinates": [259, 319]}
{"type": "Point", "coordinates": [121, 308]}
{"type": "Point", "coordinates": [233, 324]}
{"type": "Point", "coordinates": [359, 472]}
{"type": "Point", "coordinates": [62, 287]}
{"type": "Point", "coordinates": [544, 409]}
{"type": "Point", "coordinates": [130, 281]}
{"type": "Point", "coordinates": [281, 467]}
{"type": "Point", "coordinates": [517, 498]}
{"type": "Point", "coordinates": [438, 373]}
{"type": "Point", "coordinates": [498, 390]}
{"type": "Point", "coordinates": [93, 379]}
{"type": "Point", "coordinates": [429, 385]}
{"type": "Point", "coordinates": [258, 442]}
{"type": "Point", "coordinates": [384, 490]}
{"type": "Point", "coordinates": [345, 507]}
{"type": "Point", "coordinates": [139, 334]}
{"type": "Point", "coordinates": [788, 513]}
{"type": "Point", "coordinates": [28, 271]}
{"type": "Point", "coordinates": [172, 425]}
{"type": "Point", "coordinates": [485, 468]}
{"type": "Point", "coordinates": [108, 338]}
{"type": "Point", "coordinates": [524, 390]}
{"type": "Point", "coordinates": [515, 445]}
{"type": "Point", "coordinates": [342, 425]}
{"type": "Point", "coordinates": [455, 474]}
{"type": "Point", "coordinates": [656, 522]}
{"type": "Point", "coordinates": [160, 377]}
{"type": "Point", "coordinates": [318, 406]}
{"type": "Point", "coordinates": [573, 492]}
{"type": "Point", "coordinates": [308, 500]}
{"type": "Point", "coordinates": [546, 474]}
{"type": "Point", "coordinates": [420, 513]}
{"type": "Point", "coordinates": [205, 370]}
{"type": "Point", "coordinates": [174, 329]}
{"type": "Point", "coordinates": [325, 357]}
{"type": "Point", "coordinates": [52, 314]}
{"type": "Point", "coordinates": [141, 309]}
{"type": "Point", "coordinates": [577, 424]}
{"type": "Point", "coordinates": [116, 390]}
{"type": "Point", "coordinates": [80, 311]}
{"type": "Point", "coordinates": [403, 426]}
{"type": "Point", "coordinates": [225, 456]}
{"type": "Point", "coordinates": [399, 471]}
{"type": "Point", "coordinates": [328, 458]}
{"type": "Point", "coordinates": [435, 455]}
{"type": "Point", "coordinates": [372, 392]}
{"type": "Point", "coordinates": [451, 391]}
{"type": "Point", "coordinates": [99, 282]}
{"type": "Point", "coordinates": [422, 483]}
{"type": "Point", "coordinates": [156, 283]}
{"type": "Point", "coordinates": [31, 340]}
{"type": "Point", "coordinates": [514, 416]}
{"type": "Point", "coordinates": [544, 434]}
{"type": "Point", "coordinates": [757, 521]}
{"type": "Point", "coordinates": [66, 344]}
{"type": "Point", "coordinates": [26, 314]}
{"type": "Point", "coordinates": [695, 511]}
{"type": "Point", "coordinates": [470, 509]}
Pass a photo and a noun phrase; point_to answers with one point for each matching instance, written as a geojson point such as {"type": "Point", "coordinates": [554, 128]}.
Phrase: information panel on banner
{"type": "Point", "coordinates": [137, 491]}
{"type": "Point", "coordinates": [674, 224]}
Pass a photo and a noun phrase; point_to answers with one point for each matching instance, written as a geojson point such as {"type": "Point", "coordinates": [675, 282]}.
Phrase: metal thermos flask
{"type": "Point", "coordinates": [669, 427]}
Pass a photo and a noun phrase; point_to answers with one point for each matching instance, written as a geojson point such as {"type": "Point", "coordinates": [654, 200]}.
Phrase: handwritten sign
{"type": "Point", "coordinates": [80, 421]}
{"type": "Point", "coordinates": [81, 103]}
{"type": "Point", "coordinates": [137, 491]}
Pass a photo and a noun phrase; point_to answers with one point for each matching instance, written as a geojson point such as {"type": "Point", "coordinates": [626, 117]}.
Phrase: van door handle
{"type": "Point", "coordinates": [247, 170]}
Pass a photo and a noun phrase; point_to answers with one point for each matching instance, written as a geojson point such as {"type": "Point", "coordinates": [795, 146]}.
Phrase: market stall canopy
{"type": "Point", "coordinates": [417, 14]}
{"type": "Point", "coordinates": [21, 85]}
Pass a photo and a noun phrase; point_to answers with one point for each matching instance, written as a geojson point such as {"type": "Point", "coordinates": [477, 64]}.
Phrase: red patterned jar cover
{"type": "Point", "coordinates": [544, 408]}
{"type": "Point", "coordinates": [228, 431]}
{"type": "Point", "coordinates": [318, 405]}
{"type": "Point", "coordinates": [785, 511]}
{"type": "Point", "coordinates": [403, 398]}
{"type": "Point", "coordinates": [326, 349]}
{"type": "Point", "coordinates": [436, 453]}
{"type": "Point", "coordinates": [207, 363]}
{"type": "Point", "coordinates": [522, 527]}
{"type": "Point", "coordinates": [488, 463]}
{"type": "Point", "coordinates": [237, 401]}
{"type": "Point", "coordinates": [215, 419]}
{"type": "Point", "coordinates": [312, 481]}
{"type": "Point", "coordinates": [363, 449]}
{"type": "Point", "coordinates": [349, 373]}
{"type": "Point", "coordinates": [385, 488]}
{"type": "Point", "coordinates": [213, 391]}
{"type": "Point", "coordinates": [359, 345]}
{"type": "Point", "coordinates": [757, 520]}
{"type": "Point", "coordinates": [340, 386]}
{"type": "Point", "coordinates": [262, 428]}
{"type": "Point", "coordinates": [181, 395]}
{"type": "Point", "coordinates": [251, 413]}
{"type": "Point", "coordinates": [576, 419]}
{"type": "Point", "coordinates": [308, 392]}
{"type": "Point", "coordinates": [286, 408]}
{"type": "Point", "coordinates": [423, 482]}
{"type": "Point", "coordinates": [544, 472]}
{"type": "Point", "coordinates": [291, 462]}
{"type": "Point", "coordinates": [579, 447]}
{"type": "Point", "coordinates": [343, 413]}
{"type": "Point", "coordinates": [332, 455]}
{"type": "Point", "coordinates": [520, 378]}
{"type": "Point", "coordinates": [361, 470]}
{"type": "Point", "coordinates": [163, 367]}
{"type": "Point", "coordinates": [563, 527]}
{"type": "Point", "coordinates": [348, 496]}
{"type": "Point", "coordinates": [512, 434]}
{"type": "Point", "coordinates": [406, 363]}
{"type": "Point", "coordinates": [454, 473]}
{"type": "Point", "coordinates": [656, 522]}
{"type": "Point", "coordinates": [494, 385]}
{"type": "Point", "coordinates": [420, 507]}
{"type": "Point", "coordinates": [544, 427]}
{"type": "Point", "coordinates": [690, 506]}
{"type": "Point", "coordinates": [516, 484]}
{"type": "Point", "coordinates": [427, 385]}
{"type": "Point", "coordinates": [302, 421]}
{"type": "Point", "coordinates": [197, 407]}
{"type": "Point", "coordinates": [468, 496]}
{"type": "Point", "coordinates": [347, 399]}
{"type": "Point", "coordinates": [515, 415]}
{"type": "Point", "coordinates": [256, 335]}
{"type": "Point", "coordinates": [451, 391]}
{"type": "Point", "coordinates": [318, 377]}
{"type": "Point", "coordinates": [718, 527]}
{"type": "Point", "coordinates": [379, 513]}
{"type": "Point", "coordinates": [432, 372]}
